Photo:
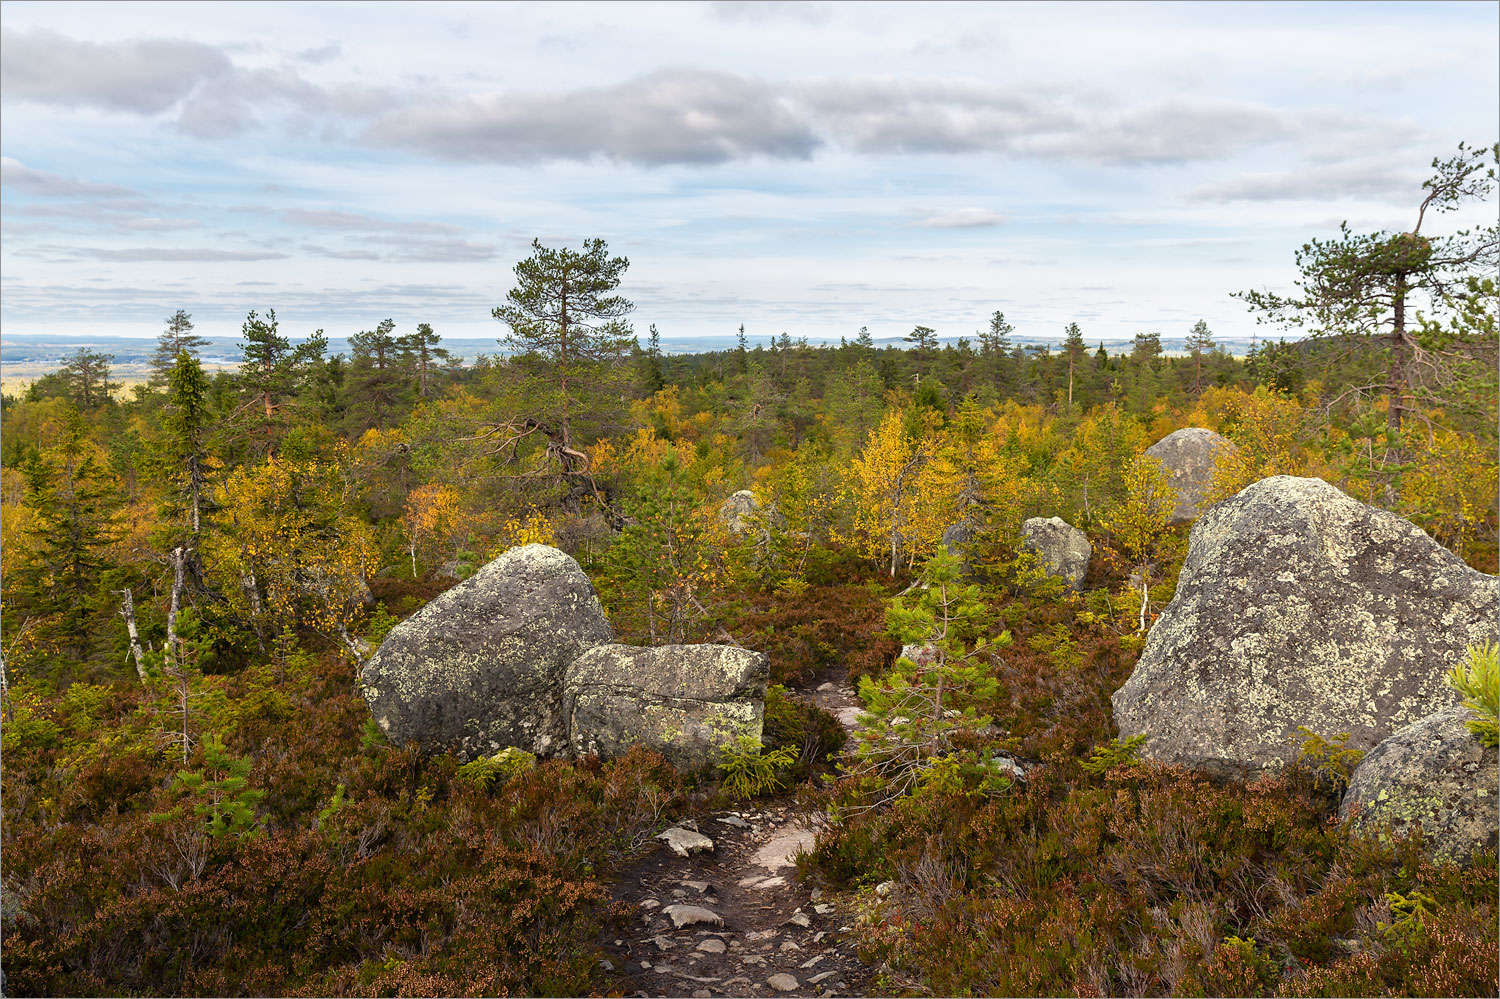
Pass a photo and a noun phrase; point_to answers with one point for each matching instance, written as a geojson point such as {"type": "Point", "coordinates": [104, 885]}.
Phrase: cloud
{"type": "Point", "coordinates": [147, 76]}
{"type": "Point", "coordinates": [684, 116]}
{"type": "Point", "coordinates": [964, 218]}
{"type": "Point", "coordinates": [148, 254]}
{"type": "Point", "coordinates": [442, 250]}
{"type": "Point", "coordinates": [1374, 178]}
{"type": "Point", "coordinates": [133, 216]}
{"type": "Point", "coordinates": [17, 175]}
{"type": "Point", "coordinates": [214, 98]}
{"type": "Point", "coordinates": [352, 222]}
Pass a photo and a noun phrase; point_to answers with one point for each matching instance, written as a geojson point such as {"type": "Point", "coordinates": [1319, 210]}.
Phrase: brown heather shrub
{"type": "Point", "coordinates": [418, 883]}
{"type": "Point", "coordinates": [1147, 879]}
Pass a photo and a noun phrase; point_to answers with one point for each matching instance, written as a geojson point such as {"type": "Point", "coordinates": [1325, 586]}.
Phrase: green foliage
{"type": "Point", "coordinates": [490, 771]}
{"type": "Point", "coordinates": [1478, 680]}
{"type": "Point", "coordinates": [1410, 914]}
{"type": "Point", "coordinates": [1329, 761]}
{"type": "Point", "coordinates": [750, 770]}
{"type": "Point", "coordinates": [1115, 753]}
{"type": "Point", "coordinates": [809, 731]}
{"type": "Point", "coordinates": [220, 794]}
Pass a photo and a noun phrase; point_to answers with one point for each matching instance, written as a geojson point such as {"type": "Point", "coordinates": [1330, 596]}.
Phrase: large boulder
{"type": "Point", "coordinates": [1298, 605]}
{"type": "Point", "coordinates": [1436, 773]}
{"type": "Point", "coordinates": [685, 701]}
{"type": "Point", "coordinates": [1062, 547]}
{"type": "Point", "coordinates": [735, 512]}
{"type": "Point", "coordinates": [957, 538]}
{"type": "Point", "coordinates": [1188, 457]}
{"type": "Point", "coordinates": [482, 666]}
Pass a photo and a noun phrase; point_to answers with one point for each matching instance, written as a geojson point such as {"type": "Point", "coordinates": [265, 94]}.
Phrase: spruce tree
{"type": "Point", "coordinates": [175, 339]}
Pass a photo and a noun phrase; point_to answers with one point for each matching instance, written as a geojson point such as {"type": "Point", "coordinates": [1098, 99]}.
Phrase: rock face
{"type": "Point", "coordinates": [1064, 547]}
{"type": "Point", "coordinates": [1436, 773]}
{"type": "Point", "coordinates": [685, 701]}
{"type": "Point", "coordinates": [1300, 606]}
{"type": "Point", "coordinates": [482, 666]}
{"type": "Point", "coordinates": [736, 509]}
{"type": "Point", "coordinates": [1188, 457]}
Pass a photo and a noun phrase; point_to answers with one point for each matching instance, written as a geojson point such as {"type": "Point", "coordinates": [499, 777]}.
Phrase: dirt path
{"type": "Point", "coordinates": [734, 920]}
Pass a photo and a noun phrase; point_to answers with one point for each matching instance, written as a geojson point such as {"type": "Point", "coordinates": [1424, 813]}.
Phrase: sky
{"type": "Point", "coordinates": [806, 168]}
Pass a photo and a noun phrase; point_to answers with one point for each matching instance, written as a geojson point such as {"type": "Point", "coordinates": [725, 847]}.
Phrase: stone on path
{"type": "Point", "coordinates": [781, 849]}
{"type": "Point", "coordinates": [692, 915]}
{"type": "Point", "coordinates": [712, 945]}
{"type": "Point", "coordinates": [686, 842]}
{"type": "Point", "coordinates": [782, 982]}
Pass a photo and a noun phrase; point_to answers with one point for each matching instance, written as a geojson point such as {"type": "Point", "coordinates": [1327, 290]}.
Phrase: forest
{"type": "Point", "coordinates": [196, 569]}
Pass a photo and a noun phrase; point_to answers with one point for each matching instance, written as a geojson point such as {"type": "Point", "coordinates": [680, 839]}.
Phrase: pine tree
{"type": "Point", "coordinates": [271, 370]}
{"type": "Point", "coordinates": [374, 379]}
{"type": "Point", "coordinates": [422, 349]}
{"type": "Point", "coordinates": [175, 339]}
{"type": "Point", "coordinates": [994, 348]}
{"type": "Point", "coordinates": [1199, 339]}
{"type": "Point", "coordinates": [87, 377]}
{"type": "Point", "coordinates": [1073, 346]}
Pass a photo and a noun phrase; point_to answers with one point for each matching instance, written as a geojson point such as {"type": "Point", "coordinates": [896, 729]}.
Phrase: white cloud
{"type": "Point", "coordinates": [963, 218]}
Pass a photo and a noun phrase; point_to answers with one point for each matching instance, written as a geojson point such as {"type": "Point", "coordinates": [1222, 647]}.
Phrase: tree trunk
{"type": "Point", "coordinates": [127, 611]}
{"type": "Point", "coordinates": [178, 557]}
{"type": "Point", "coordinates": [1396, 375]}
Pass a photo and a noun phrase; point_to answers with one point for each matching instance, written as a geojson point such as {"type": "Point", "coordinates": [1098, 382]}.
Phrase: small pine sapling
{"type": "Point", "coordinates": [1478, 680]}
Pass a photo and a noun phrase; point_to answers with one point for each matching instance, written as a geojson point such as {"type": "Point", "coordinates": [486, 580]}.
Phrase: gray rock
{"type": "Point", "coordinates": [711, 946]}
{"type": "Point", "coordinates": [957, 538]}
{"type": "Point", "coordinates": [1298, 605]}
{"type": "Point", "coordinates": [692, 915]}
{"type": "Point", "coordinates": [685, 701]}
{"type": "Point", "coordinates": [481, 667]}
{"type": "Point", "coordinates": [1188, 457]}
{"type": "Point", "coordinates": [1436, 773]}
{"type": "Point", "coordinates": [782, 982]}
{"type": "Point", "coordinates": [686, 842]}
{"type": "Point", "coordinates": [735, 511]}
{"type": "Point", "coordinates": [1064, 548]}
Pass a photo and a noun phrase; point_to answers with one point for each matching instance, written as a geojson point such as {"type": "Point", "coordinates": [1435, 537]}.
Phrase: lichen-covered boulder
{"type": "Point", "coordinates": [684, 701]}
{"type": "Point", "coordinates": [1064, 548]}
{"type": "Point", "coordinates": [1188, 457]}
{"type": "Point", "coordinates": [481, 667]}
{"type": "Point", "coordinates": [734, 512]}
{"type": "Point", "coordinates": [1298, 605]}
{"type": "Point", "coordinates": [1436, 773]}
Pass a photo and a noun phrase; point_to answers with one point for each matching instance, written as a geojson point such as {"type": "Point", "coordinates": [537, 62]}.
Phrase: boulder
{"type": "Point", "coordinates": [1064, 548]}
{"type": "Point", "coordinates": [957, 538]}
{"type": "Point", "coordinates": [1188, 456]}
{"type": "Point", "coordinates": [735, 511]}
{"type": "Point", "coordinates": [1298, 605]}
{"type": "Point", "coordinates": [1436, 773]}
{"type": "Point", "coordinates": [685, 701]}
{"type": "Point", "coordinates": [482, 666]}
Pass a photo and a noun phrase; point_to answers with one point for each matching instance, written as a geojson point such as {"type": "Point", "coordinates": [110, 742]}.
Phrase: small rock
{"type": "Point", "coordinates": [619, 943]}
{"type": "Point", "coordinates": [884, 888]}
{"type": "Point", "coordinates": [692, 915]}
{"type": "Point", "coordinates": [736, 983]}
{"type": "Point", "coordinates": [645, 965]}
{"type": "Point", "coordinates": [662, 943]}
{"type": "Point", "coordinates": [649, 903]}
{"type": "Point", "coordinates": [801, 919]}
{"type": "Point", "coordinates": [810, 962]}
{"type": "Point", "coordinates": [768, 883]}
{"type": "Point", "coordinates": [823, 910]}
{"type": "Point", "coordinates": [607, 965]}
{"type": "Point", "coordinates": [817, 893]}
{"type": "Point", "coordinates": [818, 936]}
{"type": "Point", "coordinates": [829, 685]}
{"type": "Point", "coordinates": [820, 978]}
{"type": "Point", "coordinates": [757, 935]}
{"type": "Point", "coordinates": [735, 821]}
{"type": "Point", "coordinates": [702, 994]}
{"type": "Point", "coordinates": [782, 982]}
{"type": "Point", "coordinates": [685, 842]}
{"type": "Point", "coordinates": [698, 886]}
{"type": "Point", "coordinates": [754, 959]}
{"type": "Point", "coordinates": [787, 947]}
{"type": "Point", "coordinates": [711, 946]}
